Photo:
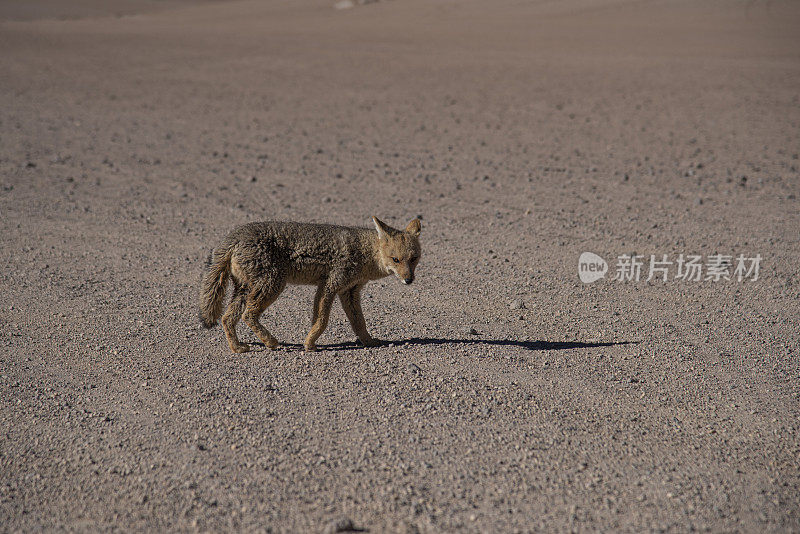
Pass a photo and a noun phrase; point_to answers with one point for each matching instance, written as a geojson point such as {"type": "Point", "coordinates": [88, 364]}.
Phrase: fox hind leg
{"type": "Point", "coordinates": [231, 317]}
{"type": "Point", "coordinates": [320, 314]}
{"type": "Point", "coordinates": [259, 299]}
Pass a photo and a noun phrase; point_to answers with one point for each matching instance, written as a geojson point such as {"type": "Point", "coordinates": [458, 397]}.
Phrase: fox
{"type": "Point", "coordinates": [261, 258]}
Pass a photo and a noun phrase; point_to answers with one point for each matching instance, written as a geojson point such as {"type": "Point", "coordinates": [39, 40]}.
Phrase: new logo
{"type": "Point", "coordinates": [591, 267]}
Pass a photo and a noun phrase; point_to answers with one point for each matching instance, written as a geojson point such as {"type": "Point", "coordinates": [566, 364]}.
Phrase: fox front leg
{"type": "Point", "coordinates": [351, 303]}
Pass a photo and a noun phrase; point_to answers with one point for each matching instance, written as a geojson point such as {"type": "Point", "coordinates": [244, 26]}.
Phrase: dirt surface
{"type": "Point", "coordinates": [513, 397]}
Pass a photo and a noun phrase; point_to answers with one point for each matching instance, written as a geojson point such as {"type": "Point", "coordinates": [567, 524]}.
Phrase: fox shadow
{"type": "Point", "coordinates": [527, 345]}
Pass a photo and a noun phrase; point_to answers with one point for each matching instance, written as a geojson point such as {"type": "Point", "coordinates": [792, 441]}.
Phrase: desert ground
{"type": "Point", "coordinates": [510, 396]}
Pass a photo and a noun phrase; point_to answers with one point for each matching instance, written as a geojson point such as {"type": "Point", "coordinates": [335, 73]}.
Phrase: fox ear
{"type": "Point", "coordinates": [381, 227]}
{"type": "Point", "coordinates": [414, 228]}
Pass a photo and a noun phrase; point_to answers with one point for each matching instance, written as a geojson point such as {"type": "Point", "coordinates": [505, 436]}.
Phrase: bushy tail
{"type": "Point", "coordinates": [215, 280]}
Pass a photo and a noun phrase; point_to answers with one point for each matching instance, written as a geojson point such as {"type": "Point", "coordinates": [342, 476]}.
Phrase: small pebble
{"type": "Point", "coordinates": [340, 525]}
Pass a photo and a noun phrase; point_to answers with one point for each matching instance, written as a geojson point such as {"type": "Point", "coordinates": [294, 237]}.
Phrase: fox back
{"type": "Point", "coordinates": [302, 253]}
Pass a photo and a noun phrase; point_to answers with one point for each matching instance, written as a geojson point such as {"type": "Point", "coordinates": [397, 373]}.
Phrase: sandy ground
{"type": "Point", "coordinates": [523, 133]}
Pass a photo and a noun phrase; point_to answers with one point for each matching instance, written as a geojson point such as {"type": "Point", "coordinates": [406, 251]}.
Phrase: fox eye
{"type": "Point", "coordinates": [395, 260]}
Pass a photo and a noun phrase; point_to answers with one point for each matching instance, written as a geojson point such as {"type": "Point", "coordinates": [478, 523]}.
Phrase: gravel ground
{"type": "Point", "coordinates": [513, 397]}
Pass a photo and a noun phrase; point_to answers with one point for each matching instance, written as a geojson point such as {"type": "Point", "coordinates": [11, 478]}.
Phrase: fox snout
{"type": "Point", "coordinates": [403, 273]}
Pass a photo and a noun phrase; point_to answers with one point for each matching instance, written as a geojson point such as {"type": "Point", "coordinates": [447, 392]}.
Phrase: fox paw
{"type": "Point", "coordinates": [371, 342]}
{"type": "Point", "coordinates": [273, 345]}
{"type": "Point", "coordinates": [310, 348]}
{"type": "Point", "coordinates": [240, 348]}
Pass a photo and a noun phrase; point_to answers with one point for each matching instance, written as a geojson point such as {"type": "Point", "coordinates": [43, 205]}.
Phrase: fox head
{"type": "Point", "coordinates": [398, 250]}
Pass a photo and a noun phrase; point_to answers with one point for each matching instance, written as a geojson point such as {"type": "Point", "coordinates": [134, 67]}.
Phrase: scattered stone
{"type": "Point", "coordinates": [341, 525]}
{"type": "Point", "coordinates": [414, 368]}
{"type": "Point", "coordinates": [473, 332]}
{"type": "Point", "coordinates": [517, 305]}
{"type": "Point", "coordinates": [347, 4]}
